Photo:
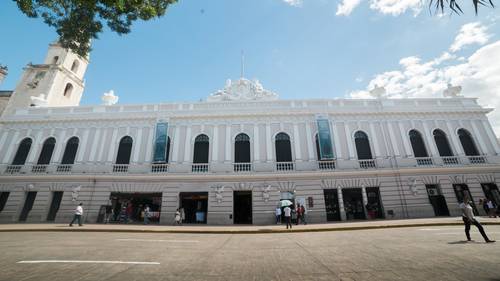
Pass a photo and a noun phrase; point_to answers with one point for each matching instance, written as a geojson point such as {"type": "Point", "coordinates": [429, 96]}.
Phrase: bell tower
{"type": "Point", "coordinates": [56, 82]}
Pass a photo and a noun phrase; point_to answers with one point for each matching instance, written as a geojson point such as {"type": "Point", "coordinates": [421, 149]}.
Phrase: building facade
{"type": "Point", "coordinates": [235, 156]}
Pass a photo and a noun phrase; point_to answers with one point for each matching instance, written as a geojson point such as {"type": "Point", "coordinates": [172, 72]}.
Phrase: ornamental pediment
{"type": "Point", "coordinates": [241, 90]}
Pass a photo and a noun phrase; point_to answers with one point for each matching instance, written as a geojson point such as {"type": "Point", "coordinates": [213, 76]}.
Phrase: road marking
{"type": "Point", "coordinates": [152, 240]}
{"type": "Point", "coordinates": [84, 261]}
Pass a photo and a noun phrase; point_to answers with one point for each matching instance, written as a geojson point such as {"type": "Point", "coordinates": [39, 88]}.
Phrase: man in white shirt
{"type": "Point", "coordinates": [288, 216]}
{"type": "Point", "coordinates": [468, 218]}
{"type": "Point", "coordinates": [78, 215]}
{"type": "Point", "coordinates": [278, 215]}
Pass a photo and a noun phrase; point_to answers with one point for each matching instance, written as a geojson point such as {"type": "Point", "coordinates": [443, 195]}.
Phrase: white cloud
{"type": "Point", "coordinates": [469, 34]}
{"type": "Point", "coordinates": [396, 7]}
{"type": "Point", "coordinates": [296, 3]}
{"type": "Point", "coordinates": [346, 7]}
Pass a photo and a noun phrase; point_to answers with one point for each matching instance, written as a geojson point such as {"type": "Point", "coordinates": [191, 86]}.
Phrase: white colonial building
{"type": "Point", "coordinates": [234, 157]}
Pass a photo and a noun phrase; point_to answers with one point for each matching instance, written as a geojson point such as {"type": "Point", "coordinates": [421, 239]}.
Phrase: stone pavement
{"type": "Point", "coordinates": [242, 229]}
{"type": "Point", "coordinates": [414, 253]}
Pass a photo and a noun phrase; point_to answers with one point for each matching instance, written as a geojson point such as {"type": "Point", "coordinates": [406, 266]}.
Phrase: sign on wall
{"type": "Point", "coordinates": [324, 139]}
{"type": "Point", "coordinates": [160, 142]}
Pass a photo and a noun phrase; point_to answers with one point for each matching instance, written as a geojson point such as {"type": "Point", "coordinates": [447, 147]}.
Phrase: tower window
{"type": "Point", "coordinates": [55, 59]}
{"type": "Point", "coordinates": [68, 90]}
{"type": "Point", "coordinates": [74, 66]}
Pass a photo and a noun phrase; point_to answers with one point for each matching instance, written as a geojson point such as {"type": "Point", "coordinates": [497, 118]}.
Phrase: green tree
{"type": "Point", "coordinates": [455, 6]}
{"type": "Point", "coordinates": [77, 22]}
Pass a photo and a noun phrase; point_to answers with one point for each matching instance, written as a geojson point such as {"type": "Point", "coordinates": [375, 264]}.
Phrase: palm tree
{"type": "Point", "coordinates": [455, 7]}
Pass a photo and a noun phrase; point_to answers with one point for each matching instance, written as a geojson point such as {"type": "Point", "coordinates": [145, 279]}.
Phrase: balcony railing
{"type": "Point", "coordinates": [120, 168]}
{"type": "Point", "coordinates": [424, 161]}
{"type": "Point", "coordinates": [64, 168]}
{"type": "Point", "coordinates": [37, 169]}
{"type": "Point", "coordinates": [476, 160]}
{"type": "Point", "coordinates": [367, 164]}
{"type": "Point", "coordinates": [199, 168]}
{"type": "Point", "coordinates": [326, 164]}
{"type": "Point", "coordinates": [285, 166]}
{"type": "Point", "coordinates": [159, 168]}
{"type": "Point", "coordinates": [13, 169]}
{"type": "Point", "coordinates": [242, 167]}
{"type": "Point", "coordinates": [450, 160]}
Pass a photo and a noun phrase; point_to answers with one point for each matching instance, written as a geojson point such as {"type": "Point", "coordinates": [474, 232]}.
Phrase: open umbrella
{"type": "Point", "coordinates": [285, 203]}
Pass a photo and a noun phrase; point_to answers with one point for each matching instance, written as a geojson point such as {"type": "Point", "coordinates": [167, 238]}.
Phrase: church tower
{"type": "Point", "coordinates": [56, 82]}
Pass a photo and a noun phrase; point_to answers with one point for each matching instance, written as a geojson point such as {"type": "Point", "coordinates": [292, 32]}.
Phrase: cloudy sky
{"type": "Point", "coordinates": [297, 48]}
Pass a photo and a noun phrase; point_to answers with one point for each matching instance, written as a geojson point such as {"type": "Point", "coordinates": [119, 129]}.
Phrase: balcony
{"type": "Point", "coordinates": [477, 160]}
{"type": "Point", "coordinates": [326, 164]}
{"type": "Point", "coordinates": [38, 169]}
{"type": "Point", "coordinates": [158, 168]}
{"type": "Point", "coordinates": [450, 160]}
{"type": "Point", "coordinates": [424, 161]}
{"type": "Point", "coordinates": [242, 167]}
{"type": "Point", "coordinates": [120, 168]}
{"type": "Point", "coordinates": [285, 166]}
{"type": "Point", "coordinates": [200, 168]}
{"type": "Point", "coordinates": [367, 164]}
{"type": "Point", "coordinates": [13, 169]}
{"type": "Point", "coordinates": [64, 168]}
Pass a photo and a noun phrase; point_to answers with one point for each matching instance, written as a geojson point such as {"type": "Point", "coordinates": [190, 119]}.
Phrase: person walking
{"type": "Point", "coordinates": [298, 211]}
{"type": "Point", "coordinates": [484, 204]}
{"type": "Point", "coordinates": [108, 214]}
{"type": "Point", "coordinates": [468, 218]}
{"type": "Point", "coordinates": [78, 215]}
{"type": "Point", "coordinates": [491, 208]}
{"type": "Point", "coordinates": [178, 217]}
{"type": "Point", "coordinates": [288, 216]}
{"type": "Point", "coordinates": [303, 212]}
{"type": "Point", "coordinates": [146, 214]}
{"type": "Point", "coordinates": [277, 212]}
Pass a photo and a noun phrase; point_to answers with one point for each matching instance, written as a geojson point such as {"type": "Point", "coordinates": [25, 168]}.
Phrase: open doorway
{"type": "Point", "coordinates": [28, 205]}
{"type": "Point", "coordinates": [437, 200]}
{"type": "Point", "coordinates": [353, 203]}
{"type": "Point", "coordinates": [129, 207]}
{"type": "Point", "coordinates": [242, 207]}
{"type": "Point", "coordinates": [332, 204]}
{"type": "Point", "coordinates": [54, 205]}
{"type": "Point", "coordinates": [195, 205]}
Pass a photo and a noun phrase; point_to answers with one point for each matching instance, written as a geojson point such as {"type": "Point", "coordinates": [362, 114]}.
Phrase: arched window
{"type": "Point", "coordinates": [242, 148]}
{"type": "Point", "coordinates": [55, 59]}
{"type": "Point", "coordinates": [124, 151]}
{"type": "Point", "coordinates": [362, 145]}
{"type": "Point", "coordinates": [68, 89]}
{"type": "Point", "coordinates": [47, 150]}
{"type": "Point", "coordinates": [74, 66]}
{"type": "Point", "coordinates": [22, 152]}
{"type": "Point", "coordinates": [70, 151]}
{"type": "Point", "coordinates": [283, 148]}
{"type": "Point", "coordinates": [201, 145]}
{"type": "Point", "coordinates": [167, 152]}
{"type": "Point", "coordinates": [442, 143]}
{"type": "Point", "coordinates": [417, 143]}
{"type": "Point", "coordinates": [467, 142]}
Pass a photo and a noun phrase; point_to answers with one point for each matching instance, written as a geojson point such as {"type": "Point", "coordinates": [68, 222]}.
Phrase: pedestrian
{"type": "Point", "coordinates": [303, 216]}
{"type": "Point", "coordinates": [288, 216]}
{"type": "Point", "coordinates": [183, 214]}
{"type": "Point", "coordinates": [178, 217]}
{"type": "Point", "coordinates": [492, 209]}
{"type": "Point", "coordinates": [468, 218]}
{"type": "Point", "coordinates": [108, 214]}
{"type": "Point", "coordinates": [78, 215]}
{"type": "Point", "coordinates": [298, 211]}
{"type": "Point", "coordinates": [277, 212]}
{"type": "Point", "coordinates": [146, 214]}
{"type": "Point", "coordinates": [484, 204]}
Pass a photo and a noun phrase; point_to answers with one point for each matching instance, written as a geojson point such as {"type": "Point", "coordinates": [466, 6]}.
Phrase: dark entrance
{"type": "Point", "coordinates": [129, 207]}
{"type": "Point", "coordinates": [353, 203]}
{"type": "Point", "coordinates": [437, 200]}
{"type": "Point", "coordinates": [374, 206]}
{"type": "Point", "coordinates": [195, 205]}
{"type": "Point", "coordinates": [242, 207]}
{"type": "Point", "coordinates": [54, 206]}
{"type": "Point", "coordinates": [332, 204]}
{"type": "Point", "coordinates": [491, 192]}
{"type": "Point", "coordinates": [3, 199]}
{"type": "Point", "coordinates": [460, 191]}
{"type": "Point", "coordinates": [28, 205]}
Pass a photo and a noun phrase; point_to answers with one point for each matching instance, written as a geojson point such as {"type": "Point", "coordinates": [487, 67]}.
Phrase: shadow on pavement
{"type": "Point", "coordinates": [461, 242]}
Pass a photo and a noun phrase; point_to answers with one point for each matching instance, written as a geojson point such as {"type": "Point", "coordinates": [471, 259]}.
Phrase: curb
{"type": "Point", "coordinates": [258, 231]}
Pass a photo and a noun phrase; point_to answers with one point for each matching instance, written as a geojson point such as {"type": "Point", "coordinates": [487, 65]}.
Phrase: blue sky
{"type": "Point", "coordinates": [298, 49]}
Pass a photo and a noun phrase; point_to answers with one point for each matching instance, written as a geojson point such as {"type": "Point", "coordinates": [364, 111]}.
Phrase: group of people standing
{"type": "Point", "coordinates": [284, 214]}
{"type": "Point", "coordinates": [489, 207]}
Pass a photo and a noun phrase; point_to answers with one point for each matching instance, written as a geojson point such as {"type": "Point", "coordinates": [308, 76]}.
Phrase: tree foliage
{"type": "Point", "coordinates": [456, 7]}
{"type": "Point", "coordinates": [77, 22]}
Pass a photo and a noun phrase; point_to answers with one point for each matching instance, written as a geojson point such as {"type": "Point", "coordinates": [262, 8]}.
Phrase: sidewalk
{"type": "Point", "coordinates": [236, 229]}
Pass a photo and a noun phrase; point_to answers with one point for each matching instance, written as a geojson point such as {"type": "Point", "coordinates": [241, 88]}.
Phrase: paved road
{"type": "Point", "coordinates": [422, 253]}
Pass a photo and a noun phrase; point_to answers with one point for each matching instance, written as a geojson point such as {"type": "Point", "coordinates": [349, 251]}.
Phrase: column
{"type": "Point", "coordinates": [93, 147]}
{"type": "Point", "coordinates": [454, 139]}
{"type": "Point", "coordinates": [336, 140]}
{"type": "Point", "coordinates": [430, 139]}
{"type": "Point", "coordinates": [365, 199]}
{"type": "Point", "coordinates": [296, 142]}
{"type": "Point", "coordinates": [349, 141]}
{"type": "Point", "coordinates": [81, 150]}
{"type": "Point", "coordinates": [479, 136]}
{"type": "Point", "coordinates": [176, 139]}
{"type": "Point", "coordinates": [3, 149]}
{"type": "Point", "coordinates": [149, 145]}
{"type": "Point", "coordinates": [491, 136]}
{"type": "Point", "coordinates": [309, 138]}
{"type": "Point", "coordinates": [137, 145]}
{"type": "Point", "coordinates": [256, 143]}
{"type": "Point", "coordinates": [215, 144]}
{"type": "Point", "coordinates": [102, 154]}
{"type": "Point", "coordinates": [269, 143]}
{"type": "Point", "coordinates": [375, 140]}
{"type": "Point", "coordinates": [187, 147]}
{"type": "Point", "coordinates": [228, 144]}
{"type": "Point", "coordinates": [341, 203]}
{"type": "Point", "coordinates": [392, 135]}
{"type": "Point", "coordinates": [112, 146]}
{"type": "Point", "coordinates": [11, 148]}
{"type": "Point", "coordinates": [59, 147]}
{"type": "Point", "coordinates": [406, 141]}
